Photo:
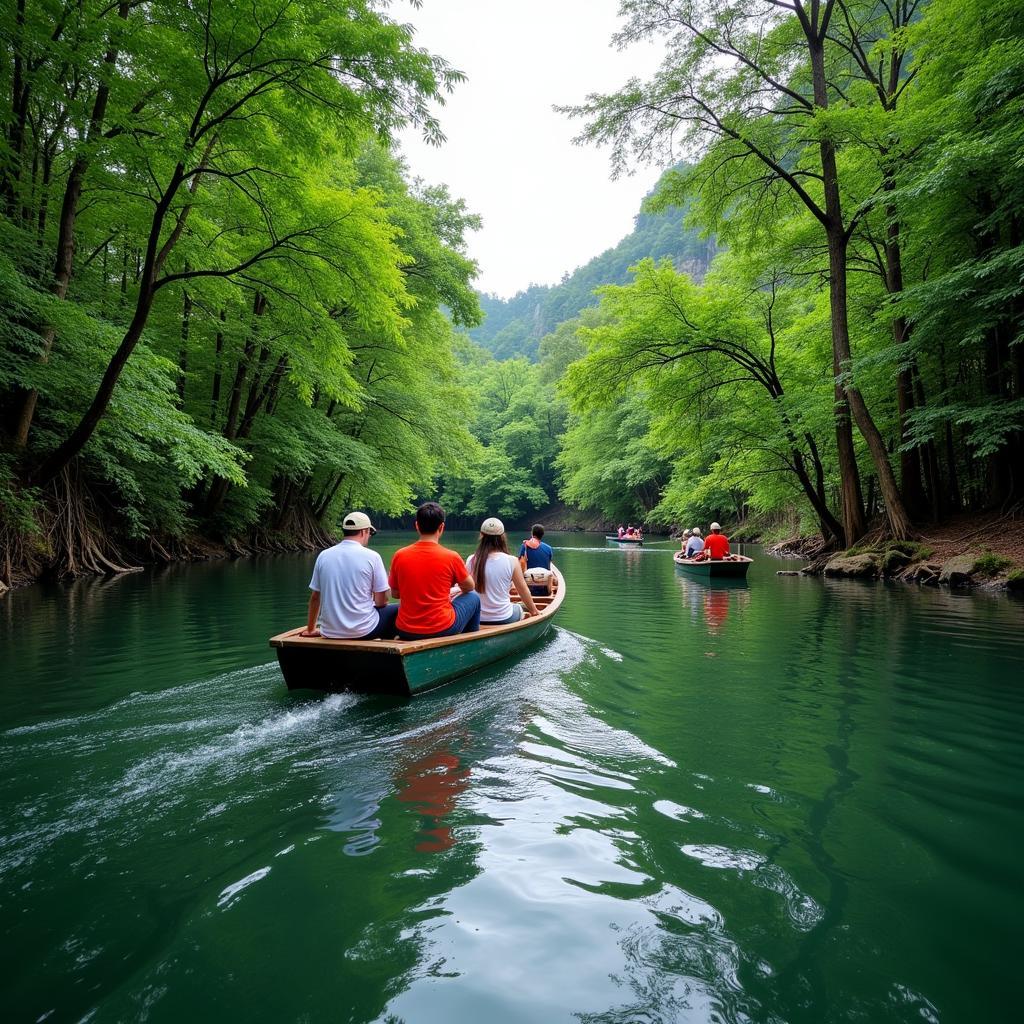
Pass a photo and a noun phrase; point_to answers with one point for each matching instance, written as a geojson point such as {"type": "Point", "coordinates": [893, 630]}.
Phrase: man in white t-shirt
{"type": "Point", "coordinates": [350, 588]}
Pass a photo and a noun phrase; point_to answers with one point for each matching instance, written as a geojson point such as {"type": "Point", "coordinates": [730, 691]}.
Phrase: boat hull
{"type": "Point", "coordinates": [405, 667]}
{"type": "Point", "coordinates": [320, 669]}
{"type": "Point", "coordinates": [629, 541]}
{"type": "Point", "coordinates": [731, 569]}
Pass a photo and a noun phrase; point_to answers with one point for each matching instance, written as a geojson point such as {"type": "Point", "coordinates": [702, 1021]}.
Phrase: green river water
{"type": "Point", "coordinates": [787, 800]}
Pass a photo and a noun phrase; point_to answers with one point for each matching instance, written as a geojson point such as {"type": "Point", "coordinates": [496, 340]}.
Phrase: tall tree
{"type": "Point", "coordinates": [299, 65]}
{"type": "Point", "coordinates": [750, 86]}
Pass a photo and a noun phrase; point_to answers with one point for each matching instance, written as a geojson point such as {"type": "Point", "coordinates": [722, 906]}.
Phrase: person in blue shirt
{"type": "Point", "coordinates": [535, 558]}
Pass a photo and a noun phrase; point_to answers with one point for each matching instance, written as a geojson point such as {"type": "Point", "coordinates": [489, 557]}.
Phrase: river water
{"type": "Point", "coordinates": [785, 800]}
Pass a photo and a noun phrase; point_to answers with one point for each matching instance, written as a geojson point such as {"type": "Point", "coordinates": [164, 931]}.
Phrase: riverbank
{"type": "Point", "coordinates": [966, 551]}
{"type": "Point", "coordinates": [59, 544]}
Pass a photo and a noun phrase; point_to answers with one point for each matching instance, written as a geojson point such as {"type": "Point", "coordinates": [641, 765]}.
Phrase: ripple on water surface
{"type": "Point", "coordinates": [765, 802]}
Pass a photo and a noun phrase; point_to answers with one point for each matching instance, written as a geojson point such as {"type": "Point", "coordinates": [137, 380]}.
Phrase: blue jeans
{"type": "Point", "coordinates": [517, 614]}
{"type": "Point", "coordinates": [467, 618]}
{"type": "Point", "coordinates": [385, 627]}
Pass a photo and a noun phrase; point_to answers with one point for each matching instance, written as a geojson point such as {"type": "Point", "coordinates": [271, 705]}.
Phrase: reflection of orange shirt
{"type": "Point", "coordinates": [716, 608]}
{"type": "Point", "coordinates": [433, 782]}
{"type": "Point", "coordinates": [716, 545]}
{"type": "Point", "coordinates": [423, 574]}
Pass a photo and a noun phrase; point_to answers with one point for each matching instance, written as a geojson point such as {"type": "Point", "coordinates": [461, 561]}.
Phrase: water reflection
{"type": "Point", "coordinates": [431, 785]}
{"type": "Point", "coordinates": [825, 828]}
{"type": "Point", "coordinates": [711, 600]}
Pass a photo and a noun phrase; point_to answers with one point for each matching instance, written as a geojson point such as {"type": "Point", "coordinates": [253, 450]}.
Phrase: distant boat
{"type": "Point", "coordinates": [733, 567]}
{"type": "Point", "coordinates": [625, 540]}
{"type": "Point", "coordinates": [407, 666]}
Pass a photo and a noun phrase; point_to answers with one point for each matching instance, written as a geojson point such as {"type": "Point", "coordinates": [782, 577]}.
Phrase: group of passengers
{"type": "Point", "coordinates": [696, 547]}
{"type": "Point", "coordinates": [438, 594]}
{"type": "Point", "coordinates": [630, 532]}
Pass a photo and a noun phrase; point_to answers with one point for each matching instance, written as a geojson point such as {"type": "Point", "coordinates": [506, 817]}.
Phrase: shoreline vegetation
{"type": "Point", "coordinates": [229, 312]}
{"type": "Point", "coordinates": [981, 551]}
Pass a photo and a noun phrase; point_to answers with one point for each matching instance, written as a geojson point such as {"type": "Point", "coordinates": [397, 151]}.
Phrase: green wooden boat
{"type": "Point", "coordinates": [406, 666]}
{"type": "Point", "coordinates": [734, 567]}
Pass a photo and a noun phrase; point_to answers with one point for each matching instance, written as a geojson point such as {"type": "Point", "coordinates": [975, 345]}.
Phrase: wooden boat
{"type": "Point", "coordinates": [733, 567]}
{"type": "Point", "coordinates": [639, 541]}
{"type": "Point", "coordinates": [407, 666]}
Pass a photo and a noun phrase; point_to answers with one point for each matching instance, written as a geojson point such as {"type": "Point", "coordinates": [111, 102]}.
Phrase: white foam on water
{"type": "Point", "coordinates": [143, 698]}
{"type": "Point", "coordinates": [230, 894]}
{"type": "Point", "coordinates": [158, 781]}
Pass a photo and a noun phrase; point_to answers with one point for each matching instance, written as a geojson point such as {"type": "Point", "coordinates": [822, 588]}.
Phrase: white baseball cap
{"type": "Point", "coordinates": [358, 521]}
{"type": "Point", "coordinates": [715, 526]}
{"type": "Point", "coordinates": [696, 531]}
{"type": "Point", "coordinates": [493, 526]}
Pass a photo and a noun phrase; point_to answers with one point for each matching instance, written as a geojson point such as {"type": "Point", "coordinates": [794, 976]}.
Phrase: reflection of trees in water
{"type": "Point", "coordinates": [803, 980]}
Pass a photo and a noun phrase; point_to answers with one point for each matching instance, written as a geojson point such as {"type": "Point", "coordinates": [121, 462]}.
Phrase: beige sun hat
{"type": "Point", "coordinates": [493, 526]}
{"type": "Point", "coordinates": [715, 526]}
{"type": "Point", "coordinates": [358, 521]}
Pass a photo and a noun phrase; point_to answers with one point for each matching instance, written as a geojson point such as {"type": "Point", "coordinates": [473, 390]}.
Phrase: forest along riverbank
{"type": "Point", "coordinates": [969, 551]}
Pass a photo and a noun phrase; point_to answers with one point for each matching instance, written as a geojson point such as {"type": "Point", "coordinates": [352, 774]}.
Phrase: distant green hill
{"type": "Point", "coordinates": [514, 327]}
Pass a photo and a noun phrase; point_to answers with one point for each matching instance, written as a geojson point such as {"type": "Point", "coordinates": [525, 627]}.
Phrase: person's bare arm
{"type": "Point", "coordinates": [314, 611]}
{"type": "Point", "coordinates": [519, 582]}
{"type": "Point", "coordinates": [380, 598]}
{"type": "Point", "coordinates": [467, 585]}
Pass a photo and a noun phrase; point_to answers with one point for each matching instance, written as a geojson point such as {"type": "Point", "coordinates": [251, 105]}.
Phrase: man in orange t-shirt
{"type": "Point", "coordinates": [422, 576]}
{"type": "Point", "coordinates": [717, 544]}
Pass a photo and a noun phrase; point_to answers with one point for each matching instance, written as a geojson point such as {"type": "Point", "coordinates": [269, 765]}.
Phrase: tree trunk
{"type": "Point", "coordinates": [69, 448]}
{"type": "Point", "coordinates": [215, 391]}
{"type": "Point", "coordinates": [854, 524]}
{"type": "Point", "coordinates": [65, 256]}
{"type": "Point", "coordinates": [910, 459]}
{"type": "Point", "coordinates": [186, 317]}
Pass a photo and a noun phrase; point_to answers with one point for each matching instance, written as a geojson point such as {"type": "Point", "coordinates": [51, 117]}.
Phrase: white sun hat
{"type": "Point", "coordinates": [492, 526]}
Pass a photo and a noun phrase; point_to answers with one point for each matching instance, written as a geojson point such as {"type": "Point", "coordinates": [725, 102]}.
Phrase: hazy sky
{"type": "Point", "coordinates": [548, 206]}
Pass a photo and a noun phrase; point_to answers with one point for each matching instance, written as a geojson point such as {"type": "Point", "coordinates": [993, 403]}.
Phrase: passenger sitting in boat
{"type": "Point", "coordinates": [494, 572]}
{"type": "Point", "coordinates": [350, 588]}
{"type": "Point", "coordinates": [622, 531]}
{"type": "Point", "coordinates": [535, 559]}
{"type": "Point", "coordinates": [695, 545]}
{"type": "Point", "coordinates": [717, 544]}
{"type": "Point", "coordinates": [684, 540]}
{"type": "Point", "coordinates": [422, 575]}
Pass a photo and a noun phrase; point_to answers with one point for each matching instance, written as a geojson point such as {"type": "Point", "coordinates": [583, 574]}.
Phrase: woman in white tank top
{"type": "Point", "coordinates": [495, 572]}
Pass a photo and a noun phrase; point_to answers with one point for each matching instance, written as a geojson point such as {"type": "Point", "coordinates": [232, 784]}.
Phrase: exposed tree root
{"type": "Point", "coordinates": [299, 530]}
{"type": "Point", "coordinates": [75, 540]}
{"type": "Point", "coordinates": [70, 542]}
{"type": "Point", "coordinates": [68, 538]}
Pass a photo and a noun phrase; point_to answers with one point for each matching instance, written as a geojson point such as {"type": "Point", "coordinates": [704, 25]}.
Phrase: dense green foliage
{"type": "Point", "coordinates": [222, 297]}
{"type": "Point", "coordinates": [862, 163]}
{"type": "Point", "coordinates": [228, 312]}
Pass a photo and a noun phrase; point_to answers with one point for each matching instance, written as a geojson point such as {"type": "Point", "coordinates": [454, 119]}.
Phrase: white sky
{"type": "Point", "coordinates": [547, 206]}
